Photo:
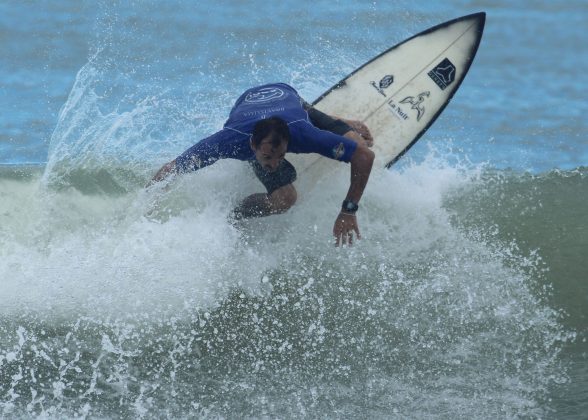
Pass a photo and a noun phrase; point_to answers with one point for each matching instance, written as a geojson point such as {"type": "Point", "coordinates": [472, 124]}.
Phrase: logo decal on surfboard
{"type": "Point", "coordinates": [265, 94]}
{"type": "Point", "coordinates": [384, 83]}
{"type": "Point", "coordinates": [443, 74]}
{"type": "Point", "coordinates": [397, 110]}
{"type": "Point", "coordinates": [417, 103]}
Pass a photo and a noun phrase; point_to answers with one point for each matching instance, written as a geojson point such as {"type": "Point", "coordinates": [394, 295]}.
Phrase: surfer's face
{"type": "Point", "coordinates": [270, 156]}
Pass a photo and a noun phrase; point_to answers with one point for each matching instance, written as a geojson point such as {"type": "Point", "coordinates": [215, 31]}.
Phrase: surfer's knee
{"type": "Point", "coordinates": [283, 198]}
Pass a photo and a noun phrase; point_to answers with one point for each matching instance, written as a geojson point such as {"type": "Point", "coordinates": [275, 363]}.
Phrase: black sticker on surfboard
{"type": "Point", "coordinates": [443, 74]}
{"type": "Point", "coordinates": [384, 83]}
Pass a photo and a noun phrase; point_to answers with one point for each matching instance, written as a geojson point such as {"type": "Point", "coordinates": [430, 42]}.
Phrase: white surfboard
{"type": "Point", "coordinates": [401, 92]}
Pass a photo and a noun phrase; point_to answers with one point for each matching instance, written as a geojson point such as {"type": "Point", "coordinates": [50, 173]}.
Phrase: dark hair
{"type": "Point", "coordinates": [274, 127]}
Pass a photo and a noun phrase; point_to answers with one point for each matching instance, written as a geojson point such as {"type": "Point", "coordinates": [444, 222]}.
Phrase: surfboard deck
{"type": "Point", "coordinates": [400, 93]}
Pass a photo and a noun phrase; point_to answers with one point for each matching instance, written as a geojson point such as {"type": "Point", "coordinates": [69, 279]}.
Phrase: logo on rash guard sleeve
{"type": "Point", "coordinates": [338, 151]}
{"type": "Point", "coordinates": [266, 94]}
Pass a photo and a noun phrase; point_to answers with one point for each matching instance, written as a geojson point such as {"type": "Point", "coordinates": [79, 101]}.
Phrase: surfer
{"type": "Point", "coordinates": [268, 121]}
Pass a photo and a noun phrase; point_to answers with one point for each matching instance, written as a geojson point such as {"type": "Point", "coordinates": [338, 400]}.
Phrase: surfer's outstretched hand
{"type": "Point", "coordinates": [345, 226]}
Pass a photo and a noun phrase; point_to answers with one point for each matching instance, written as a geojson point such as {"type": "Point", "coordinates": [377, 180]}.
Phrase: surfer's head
{"type": "Point", "coordinates": [269, 141]}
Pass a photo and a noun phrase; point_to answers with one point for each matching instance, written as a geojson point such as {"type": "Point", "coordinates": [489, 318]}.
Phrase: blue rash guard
{"type": "Point", "coordinates": [258, 103]}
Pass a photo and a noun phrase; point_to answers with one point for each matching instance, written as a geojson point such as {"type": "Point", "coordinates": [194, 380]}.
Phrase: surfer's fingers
{"type": "Point", "coordinates": [367, 136]}
{"type": "Point", "coordinates": [356, 229]}
{"type": "Point", "coordinates": [337, 236]}
{"type": "Point", "coordinates": [363, 130]}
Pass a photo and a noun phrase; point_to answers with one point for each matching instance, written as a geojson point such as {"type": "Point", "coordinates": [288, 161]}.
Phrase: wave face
{"type": "Point", "coordinates": [179, 313]}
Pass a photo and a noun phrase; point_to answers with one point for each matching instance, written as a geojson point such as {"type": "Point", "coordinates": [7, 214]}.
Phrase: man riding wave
{"type": "Point", "coordinates": [265, 123]}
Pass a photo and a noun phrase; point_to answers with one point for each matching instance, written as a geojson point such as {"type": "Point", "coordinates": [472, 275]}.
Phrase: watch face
{"type": "Point", "coordinates": [350, 206]}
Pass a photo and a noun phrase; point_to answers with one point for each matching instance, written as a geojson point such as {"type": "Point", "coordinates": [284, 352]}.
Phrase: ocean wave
{"type": "Point", "coordinates": [152, 303]}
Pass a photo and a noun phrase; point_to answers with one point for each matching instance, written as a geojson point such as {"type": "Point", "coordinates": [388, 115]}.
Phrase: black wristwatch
{"type": "Point", "coordinates": [349, 206]}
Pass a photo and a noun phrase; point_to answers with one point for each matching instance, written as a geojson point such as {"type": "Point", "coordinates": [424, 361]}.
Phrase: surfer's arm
{"type": "Point", "coordinates": [221, 145]}
{"type": "Point", "coordinates": [165, 171]}
{"type": "Point", "coordinates": [361, 166]}
{"type": "Point", "coordinates": [188, 161]}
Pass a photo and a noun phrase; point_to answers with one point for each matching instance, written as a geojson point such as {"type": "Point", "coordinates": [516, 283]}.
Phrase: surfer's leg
{"type": "Point", "coordinates": [256, 205]}
{"type": "Point", "coordinates": [260, 204]}
{"type": "Point", "coordinates": [283, 198]}
{"type": "Point", "coordinates": [281, 194]}
{"type": "Point", "coordinates": [352, 129]}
